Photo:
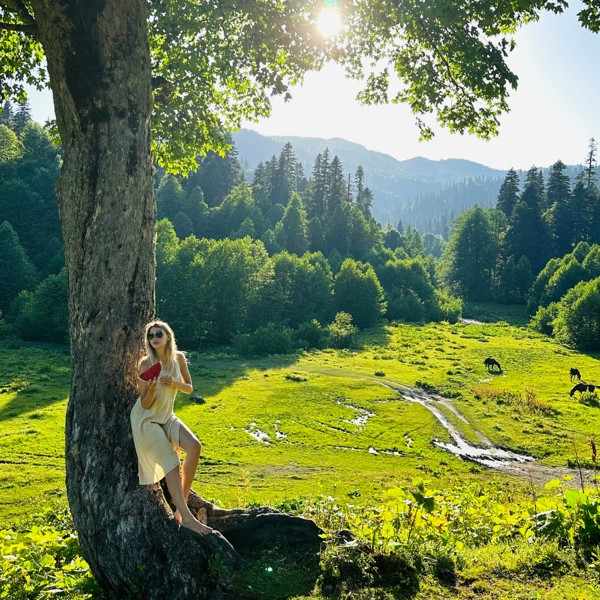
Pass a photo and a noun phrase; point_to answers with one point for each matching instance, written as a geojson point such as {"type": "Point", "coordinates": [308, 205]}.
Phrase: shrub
{"type": "Point", "coordinates": [6, 331]}
{"type": "Point", "coordinates": [449, 307]}
{"type": "Point", "coordinates": [311, 335]}
{"type": "Point", "coordinates": [577, 323]}
{"type": "Point", "coordinates": [527, 402]}
{"type": "Point", "coordinates": [44, 561]}
{"type": "Point", "coordinates": [342, 332]}
{"type": "Point", "coordinates": [43, 314]}
{"type": "Point", "coordinates": [543, 319]}
{"type": "Point", "coordinates": [269, 339]}
{"type": "Point", "coordinates": [589, 399]}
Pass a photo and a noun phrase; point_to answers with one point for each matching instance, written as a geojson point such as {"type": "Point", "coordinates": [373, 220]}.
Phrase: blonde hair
{"type": "Point", "coordinates": [170, 349]}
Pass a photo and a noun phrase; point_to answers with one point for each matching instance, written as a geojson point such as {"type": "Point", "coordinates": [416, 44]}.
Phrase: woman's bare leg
{"type": "Point", "coordinates": [176, 490]}
{"type": "Point", "coordinates": [192, 448]}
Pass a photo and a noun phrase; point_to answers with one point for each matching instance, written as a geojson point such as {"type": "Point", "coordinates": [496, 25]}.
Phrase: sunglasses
{"type": "Point", "coordinates": [158, 335]}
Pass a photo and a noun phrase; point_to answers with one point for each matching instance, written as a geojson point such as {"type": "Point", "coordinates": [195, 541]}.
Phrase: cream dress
{"type": "Point", "coordinates": [156, 431]}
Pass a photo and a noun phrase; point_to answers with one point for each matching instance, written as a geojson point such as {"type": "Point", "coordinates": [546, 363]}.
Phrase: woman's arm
{"type": "Point", "coordinates": [185, 384]}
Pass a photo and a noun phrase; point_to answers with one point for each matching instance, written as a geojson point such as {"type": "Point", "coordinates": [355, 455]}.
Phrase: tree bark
{"type": "Point", "coordinates": [98, 59]}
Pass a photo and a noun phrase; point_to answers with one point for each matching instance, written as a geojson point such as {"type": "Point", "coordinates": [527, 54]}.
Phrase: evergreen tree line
{"type": "Point", "coordinates": [329, 212]}
{"type": "Point", "coordinates": [220, 291]}
{"type": "Point", "coordinates": [436, 211]}
{"type": "Point", "coordinates": [536, 246]}
{"type": "Point", "coordinates": [30, 234]}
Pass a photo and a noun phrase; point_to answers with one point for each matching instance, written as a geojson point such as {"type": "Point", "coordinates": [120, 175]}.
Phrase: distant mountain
{"type": "Point", "coordinates": [427, 194]}
{"type": "Point", "coordinates": [396, 185]}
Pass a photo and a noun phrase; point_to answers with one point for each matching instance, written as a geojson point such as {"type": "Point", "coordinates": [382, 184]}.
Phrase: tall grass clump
{"type": "Point", "coordinates": [527, 402]}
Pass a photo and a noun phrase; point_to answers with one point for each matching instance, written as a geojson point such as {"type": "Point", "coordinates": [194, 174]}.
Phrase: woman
{"type": "Point", "coordinates": [159, 436]}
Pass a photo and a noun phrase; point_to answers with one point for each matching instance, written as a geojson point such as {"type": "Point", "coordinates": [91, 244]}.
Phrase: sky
{"type": "Point", "coordinates": [554, 112]}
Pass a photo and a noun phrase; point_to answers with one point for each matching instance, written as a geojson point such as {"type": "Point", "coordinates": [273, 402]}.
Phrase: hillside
{"type": "Point", "coordinates": [396, 184]}
{"type": "Point", "coordinates": [358, 441]}
{"type": "Point", "coordinates": [427, 194]}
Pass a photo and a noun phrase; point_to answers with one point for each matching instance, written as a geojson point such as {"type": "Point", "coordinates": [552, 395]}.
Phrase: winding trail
{"type": "Point", "coordinates": [485, 453]}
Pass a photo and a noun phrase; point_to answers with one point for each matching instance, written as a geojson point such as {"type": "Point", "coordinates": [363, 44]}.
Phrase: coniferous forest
{"type": "Point", "coordinates": [279, 259]}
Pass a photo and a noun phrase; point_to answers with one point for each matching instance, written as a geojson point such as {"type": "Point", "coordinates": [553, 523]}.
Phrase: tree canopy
{"type": "Point", "coordinates": [216, 64]}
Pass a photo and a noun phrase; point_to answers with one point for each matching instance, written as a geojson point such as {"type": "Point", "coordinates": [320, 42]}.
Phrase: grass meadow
{"type": "Point", "coordinates": [297, 429]}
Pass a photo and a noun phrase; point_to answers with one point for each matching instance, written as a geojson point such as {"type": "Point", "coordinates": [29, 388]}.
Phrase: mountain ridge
{"type": "Point", "coordinates": [396, 184]}
{"type": "Point", "coordinates": [418, 191]}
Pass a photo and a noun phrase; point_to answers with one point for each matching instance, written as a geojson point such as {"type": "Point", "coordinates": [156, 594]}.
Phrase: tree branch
{"type": "Point", "coordinates": [18, 8]}
{"type": "Point", "coordinates": [18, 27]}
{"type": "Point", "coordinates": [441, 56]}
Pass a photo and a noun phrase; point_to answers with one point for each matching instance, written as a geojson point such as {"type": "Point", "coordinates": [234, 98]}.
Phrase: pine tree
{"type": "Point", "coordinates": [183, 225]}
{"type": "Point", "coordinates": [22, 117]}
{"type": "Point", "coordinates": [366, 203]}
{"type": "Point", "coordinates": [364, 196]}
{"type": "Point", "coordinates": [197, 210]}
{"type": "Point", "coordinates": [359, 183]}
{"type": "Point", "coordinates": [412, 242]}
{"type": "Point", "coordinates": [217, 175]}
{"type": "Point", "coordinates": [508, 196]}
{"type": "Point", "coordinates": [582, 201]}
{"type": "Point", "coordinates": [469, 260]}
{"type": "Point", "coordinates": [6, 115]}
{"type": "Point", "coordinates": [318, 188]}
{"type": "Point", "coordinates": [590, 163]}
{"type": "Point", "coordinates": [170, 197]}
{"type": "Point", "coordinates": [316, 235]}
{"type": "Point", "coordinates": [337, 191]}
{"type": "Point", "coordinates": [285, 177]}
{"type": "Point", "coordinates": [246, 229]}
{"type": "Point", "coordinates": [561, 218]}
{"type": "Point", "coordinates": [593, 194]}
{"type": "Point", "coordinates": [292, 234]}
{"type": "Point", "coordinates": [528, 234]}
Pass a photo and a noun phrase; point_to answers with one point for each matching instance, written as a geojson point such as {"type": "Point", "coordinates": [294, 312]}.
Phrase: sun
{"type": "Point", "coordinates": [329, 22]}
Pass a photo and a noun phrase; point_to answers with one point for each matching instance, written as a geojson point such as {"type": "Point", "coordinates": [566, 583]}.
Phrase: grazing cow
{"type": "Point", "coordinates": [491, 363]}
{"type": "Point", "coordinates": [575, 374]}
{"type": "Point", "coordinates": [583, 387]}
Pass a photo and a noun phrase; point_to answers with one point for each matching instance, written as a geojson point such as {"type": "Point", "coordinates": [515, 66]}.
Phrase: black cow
{"type": "Point", "coordinates": [575, 374]}
{"type": "Point", "coordinates": [491, 363]}
{"type": "Point", "coordinates": [583, 387]}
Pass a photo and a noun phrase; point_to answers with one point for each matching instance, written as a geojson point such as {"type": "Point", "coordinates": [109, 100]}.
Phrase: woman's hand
{"type": "Point", "coordinates": [166, 380]}
{"type": "Point", "coordinates": [147, 398]}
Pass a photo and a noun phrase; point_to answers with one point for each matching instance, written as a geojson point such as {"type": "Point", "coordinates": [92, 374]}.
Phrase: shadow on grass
{"type": "Point", "coordinates": [488, 312]}
{"type": "Point", "coordinates": [276, 573]}
{"type": "Point", "coordinates": [213, 373]}
{"type": "Point", "coordinates": [37, 375]}
{"type": "Point", "coordinates": [375, 336]}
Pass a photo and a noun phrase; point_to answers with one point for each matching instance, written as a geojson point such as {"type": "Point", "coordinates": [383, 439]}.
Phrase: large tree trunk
{"type": "Point", "coordinates": [99, 65]}
{"type": "Point", "coordinates": [98, 58]}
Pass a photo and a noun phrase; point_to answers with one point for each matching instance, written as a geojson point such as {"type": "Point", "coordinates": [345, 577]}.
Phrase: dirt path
{"type": "Point", "coordinates": [485, 452]}
{"type": "Point", "coordinates": [520, 465]}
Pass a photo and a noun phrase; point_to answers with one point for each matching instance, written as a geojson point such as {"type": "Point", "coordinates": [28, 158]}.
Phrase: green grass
{"type": "Point", "coordinates": [308, 405]}
{"type": "Point", "coordinates": [34, 387]}
{"type": "Point", "coordinates": [312, 399]}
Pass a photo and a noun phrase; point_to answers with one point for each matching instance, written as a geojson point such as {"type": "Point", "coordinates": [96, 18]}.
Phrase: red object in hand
{"type": "Point", "coordinates": [152, 373]}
